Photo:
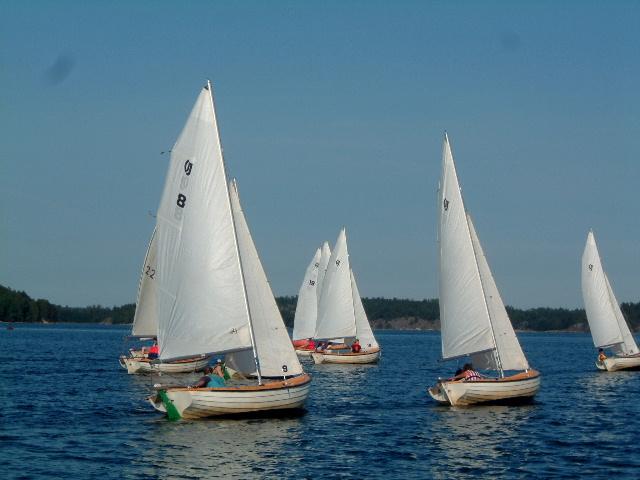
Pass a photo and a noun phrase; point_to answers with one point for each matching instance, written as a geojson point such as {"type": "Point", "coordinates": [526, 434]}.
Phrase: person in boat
{"type": "Point", "coordinates": [468, 374]}
{"type": "Point", "coordinates": [154, 351]}
{"type": "Point", "coordinates": [213, 377]}
{"type": "Point", "coordinates": [322, 346]}
{"type": "Point", "coordinates": [601, 355]}
{"type": "Point", "coordinates": [355, 346]}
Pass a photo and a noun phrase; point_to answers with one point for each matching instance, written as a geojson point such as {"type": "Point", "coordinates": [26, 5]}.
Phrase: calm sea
{"type": "Point", "coordinates": [69, 411]}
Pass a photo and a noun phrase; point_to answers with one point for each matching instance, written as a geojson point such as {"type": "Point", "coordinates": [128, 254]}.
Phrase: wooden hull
{"type": "Point", "coordinates": [304, 353]}
{"type": "Point", "coordinates": [347, 357]}
{"type": "Point", "coordinates": [519, 388]}
{"type": "Point", "coordinates": [613, 364]}
{"type": "Point", "coordinates": [192, 403]}
{"type": "Point", "coordinates": [143, 365]}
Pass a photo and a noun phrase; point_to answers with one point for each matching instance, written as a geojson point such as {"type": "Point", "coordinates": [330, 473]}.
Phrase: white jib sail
{"type": "Point", "coordinates": [603, 312]}
{"type": "Point", "coordinates": [202, 306]}
{"type": "Point", "coordinates": [336, 317]}
{"type": "Point", "coordinates": [363, 328]}
{"type": "Point", "coordinates": [464, 317]}
{"type": "Point", "coordinates": [145, 320]}
{"type": "Point", "coordinates": [304, 323]}
{"type": "Point", "coordinates": [273, 345]}
{"type": "Point", "coordinates": [325, 255]}
{"type": "Point", "coordinates": [509, 350]}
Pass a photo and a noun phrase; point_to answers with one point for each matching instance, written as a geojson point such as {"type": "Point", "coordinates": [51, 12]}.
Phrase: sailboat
{"type": "Point", "coordinates": [474, 321]}
{"type": "Point", "coordinates": [608, 327]}
{"type": "Point", "coordinates": [213, 296]}
{"type": "Point", "coordinates": [304, 322]}
{"type": "Point", "coordinates": [341, 313]}
{"type": "Point", "coordinates": [145, 326]}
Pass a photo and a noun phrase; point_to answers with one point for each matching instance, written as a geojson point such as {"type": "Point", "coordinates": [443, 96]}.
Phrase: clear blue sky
{"type": "Point", "coordinates": [331, 114]}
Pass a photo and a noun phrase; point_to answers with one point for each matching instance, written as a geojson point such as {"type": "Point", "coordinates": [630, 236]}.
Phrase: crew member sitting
{"type": "Point", "coordinates": [355, 346]}
{"type": "Point", "coordinates": [468, 374]}
{"type": "Point", "coordinates": [213, 377]}
{"type": "Point", "coordinates": [601, 355]}
{"type": "Point", "coordinates": [154, 351]}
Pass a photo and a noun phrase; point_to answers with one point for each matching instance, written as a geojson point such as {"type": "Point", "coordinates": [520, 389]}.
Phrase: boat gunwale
{"type": "Point", "coordinates": [349, 354]}
{"type": "Point", "coordinates": [518, 377]}
{"type": "Point", "coordinates": [297, 381]}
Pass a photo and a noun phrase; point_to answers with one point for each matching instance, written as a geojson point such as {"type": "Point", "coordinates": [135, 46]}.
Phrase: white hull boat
{"type": "Point", "coordinates": [304, 353]}
{"type": "Point", "coordinates": [474, 320]}
{"type": "Point", "coordinates": [140, 365]}
{"type": "Point", "coordinates": [212, 293]}
{"type": "Point", "coordinates": [609, 329]}
{"type": "Point", "coordinates": [519, 388]}
{"type": "Point", "coordinates": [346, 357]}
{"type": "Point", "coordinates": [193, 403]}
{"type": "Point", "coordinates": [613, 364]}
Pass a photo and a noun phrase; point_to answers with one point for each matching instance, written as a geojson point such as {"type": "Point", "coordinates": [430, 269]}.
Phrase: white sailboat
{"type": "Point", "coordinates": [340, 311]}
{"type": "Point", "coordinates": [212, 293]}
{"type": "Point", "coordinates": [304, 322]}
{"type": "Point", "coordinates": [473, 318]}
{"type": "Point", "coordinates": [145, 325]}
{"type": "Point", "coordinates": [306, 317]}
{"type": "Point", "coordinates": [606, 322]}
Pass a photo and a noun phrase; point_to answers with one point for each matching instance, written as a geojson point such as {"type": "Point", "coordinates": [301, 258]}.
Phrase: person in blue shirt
{"type": "Point", "coordinates": [213, 377]}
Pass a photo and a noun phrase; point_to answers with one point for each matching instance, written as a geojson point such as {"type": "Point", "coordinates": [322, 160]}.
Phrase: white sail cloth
{"type": "Point", "coordinates": [325, 255]}
{"type": "Point", "coordinates": [464, 317]}
{"type": "Point", "coordinates": [304, 322]}
{"type": "Point", "coordinates": [335, 311]}
{"type": "Point", "coordinates": [201, 301]}
{"type": "Point", "coordinates": [606, 322]}
{"type": "Point", "coordinates": [273, 346]}
{"type": "Point", "coordinates": [145, 319]}
{"type": "Point", "coordinates": [508, 348]}
{"type": "Point", "coordinates": [363, 328]}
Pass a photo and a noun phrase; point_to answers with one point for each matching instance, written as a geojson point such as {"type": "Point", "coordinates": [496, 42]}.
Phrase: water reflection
{"type": "Point", "coordinates": [219, 448]}
{"type": "Point", "coordinates": [474, 439]}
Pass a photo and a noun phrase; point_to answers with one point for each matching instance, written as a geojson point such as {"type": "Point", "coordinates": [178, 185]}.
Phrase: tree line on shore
{"type": "Point", "coordinates": [389, 313]}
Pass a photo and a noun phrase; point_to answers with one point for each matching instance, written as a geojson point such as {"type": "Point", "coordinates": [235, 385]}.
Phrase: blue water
{"type": "Point", "coordinates": [69, 410]}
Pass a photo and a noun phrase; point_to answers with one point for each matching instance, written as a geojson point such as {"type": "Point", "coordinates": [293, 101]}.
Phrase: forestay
{"type": "Point", "coordinates": [335, 312]}
{"type": "Point", "coordinates": [304, 323]}
{"type": "Point", "coordinates": [363, 329]}
{"type": "Point", "coordinates": [607, 325]}
{"type": "Point", "coordinates": [464, 317]}
{"type": "Point", "coordinates": [508, 348]}
{"type": "Point", "coordinates": [201, 301]}
{"type": "Point", "coordinates": [145, 319]}
{"type": "Point", "coordinates": [275, 352]}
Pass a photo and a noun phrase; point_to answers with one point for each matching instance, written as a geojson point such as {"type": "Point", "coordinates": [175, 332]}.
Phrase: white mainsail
{"type": "Point", "coordinates": [464, 315]}
{"type": "Point", "coordinates": [335, 311]}
{"type": "Point", "coordinates": [202, 305]}
{"type": "Point", "coordinates": [304, 323]}
{"type": "Point", "coordinates": [363, 329]}
{"type": "Point", "coordinates": [325, 255]}
{"type": "Point", "coordinates": [145, 319]}
{"type": "Point", "coordinates": [606, 322]}
{"type": "Point", "coordinates": [275, 353]}
{"type": "Point", "coordinates": [508, 347]}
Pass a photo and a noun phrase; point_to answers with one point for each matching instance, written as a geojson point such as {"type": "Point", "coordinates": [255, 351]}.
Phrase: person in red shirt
{"type": "Point", "coordinates": [154, 351]}
{"type": "Point", "coordinates": [355, 346]}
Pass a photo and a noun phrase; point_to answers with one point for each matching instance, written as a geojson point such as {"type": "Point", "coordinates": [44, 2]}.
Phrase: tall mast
{"type": "Point", "coordinates": [235, 237]}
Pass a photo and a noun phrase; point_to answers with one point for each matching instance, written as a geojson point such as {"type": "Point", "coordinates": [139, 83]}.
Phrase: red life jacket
{"type": "Point", "coordinates": [355, 348]}
{"type": "Point", "coordinates": [154, 349]}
